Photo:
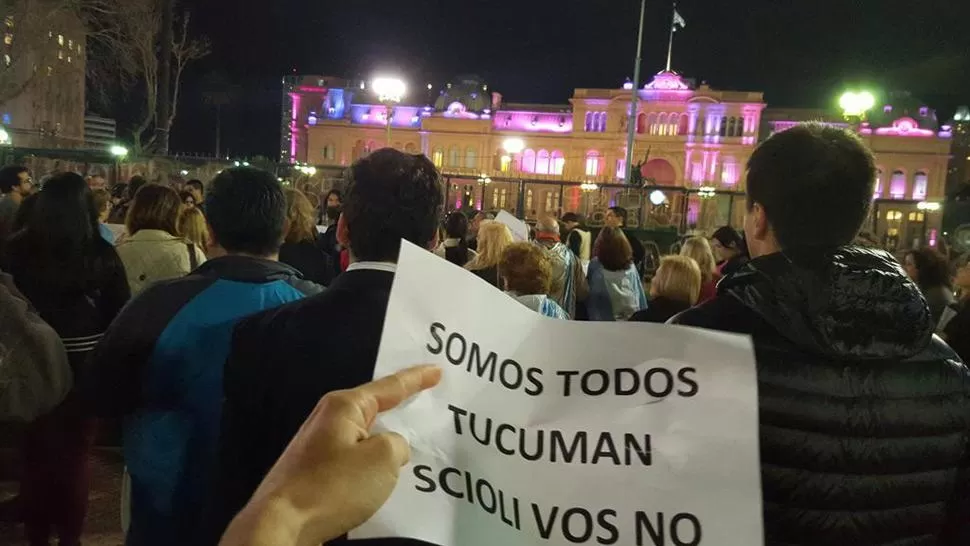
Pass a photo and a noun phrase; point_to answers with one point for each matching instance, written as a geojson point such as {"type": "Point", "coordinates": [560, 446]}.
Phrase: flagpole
{"type": "Point", "coordinates": [632, 129]}
{"type": "Point", "coordinates": [670, 45]}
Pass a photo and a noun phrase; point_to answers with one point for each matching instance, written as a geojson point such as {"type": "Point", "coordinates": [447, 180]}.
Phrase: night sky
{"type": "Point", "coordinates": [799, 52]}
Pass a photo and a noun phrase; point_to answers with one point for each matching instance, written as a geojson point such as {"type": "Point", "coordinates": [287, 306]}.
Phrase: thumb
{"type": "Point", "coordinates": [386, 449]}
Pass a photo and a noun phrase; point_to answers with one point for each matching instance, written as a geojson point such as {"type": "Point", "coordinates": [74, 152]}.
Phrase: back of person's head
{"type": "Point", "coordinates": [300, 218]}
{"type": "Point", "coordinates": [456, 225]}
{"type": "Point", "coordinates": [493, 239]}
{"type": "Point", "coordinates": [246, 210]}
{"type": "Point", "coordinates": [932, 267]}
{"type": "Point", "coordinates": [700, 251]}
{"type": "Point", "coordinates": [391, 196]}
{"type": "Point", "coordinates": [525, 269]}
{"type": "Point", "coordinates": [572, 217]}
{"type": "Point", "coordinates": [192, 226]}
{"type": "Point", "coordinates": [10, 177]}
{"type": "Point", "coordinates": [136, 183]}
{"type": "Point", "coordinates": [613, 250]}
{"type": "Point", "coordinates": [547, 224]}
{"type": "Point", "coordinates": [102, 201]}
{"type": "Point", "coordinates": [59, 239]}
{"type": "Point", "coordinates": [154, 207]}
{"type": "Point", "coordinates": [814, 183]}
{"type": "Point", "coordinates": [678, 278]}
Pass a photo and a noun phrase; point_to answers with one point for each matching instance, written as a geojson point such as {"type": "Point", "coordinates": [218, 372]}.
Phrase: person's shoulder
{"type": "Point", "coordinates": [723, 312]}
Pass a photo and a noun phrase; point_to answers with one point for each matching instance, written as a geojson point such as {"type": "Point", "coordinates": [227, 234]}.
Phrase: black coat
{"type": "Point", "coordinates": [281, 363]}
{"type": "Point", "coordinates": [659, 309]}
{"type": "Point", "coordinates": [310, 259]}
{"type": "Point", "coordinates": [864, 416]}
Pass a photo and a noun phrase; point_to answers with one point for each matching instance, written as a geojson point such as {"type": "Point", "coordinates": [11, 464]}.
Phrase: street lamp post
{"type": "Point", "coordinates": [513, 146]}
{"type": "Point", "coordinates": [389, 91]}
{"type": "Point", "coordinates": [120, 153]}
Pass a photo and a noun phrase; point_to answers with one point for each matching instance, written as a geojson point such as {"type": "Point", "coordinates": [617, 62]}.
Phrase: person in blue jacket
{"type": "Point", "coordinates": [160, 364]}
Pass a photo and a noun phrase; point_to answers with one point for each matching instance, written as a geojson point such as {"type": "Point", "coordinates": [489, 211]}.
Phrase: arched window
{"type": "Point", "coordinates": [360, 150]}
{"type": "Point", "coordinates": [652, 123]}
{"type": "Point", "coordinates": [641, 123]}
{"type": "Point", "coordinates": [589, 122]}
{"type": "Point", "coordinates": [558, 162]}
{"type": "Point", "coordinates": [593, 163]}
{"type": "Point", "coordinates": [682, 128]}
{"type": "Point", "coordinates": [552, 201]}
{"type": "Point", "coordinates": [438, 157]}
{"type": "Point", "coordinates": [410, 148]}
{"type": "Point", "coordinates": [723, 129]}
{"type": "Point", "coordinates": [529, 161]}
{"type": "Point", "coordinates": [454, 157]}
{"type": "Point", "coordinates": [877, 191]}
{"type": "Point", "coordinates": [528, 200]}
{"type": "Point", "coordinates": [673, 123]}
{"type": "Point", "coordinates": [920, 181]}
{"type": "Point", "coordinates": [471, 158]}
{"type": "Point", "coordinates": [740, 127]}
{"type": "Point", "coordinates": [730, 126]}
{"type": "Point", "coordinates": [542, 162]}
{"type": "Point", "coordinates": [897, 185]}
{"type": "Point", "coordinates": [601, 124]}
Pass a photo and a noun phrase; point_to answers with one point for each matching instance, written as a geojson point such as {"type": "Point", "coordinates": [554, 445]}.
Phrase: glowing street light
{"type": "Point", "coordinates": [4, 137]}
{"type": "Point", "coordinates": [119, 151]}
{"type": "Point", "coordinates": [707, 192]}
{"type": "Point", "coordinates": [929, 206]}
{"type": "Point", "coordinates": [390, 91]}
{"type": "Point", "coordinates": [513, 145]}
{"type": "Point", "coordinates": [856, 104]}
{"type": "Point", "coordinates": [588, 186]}
{"type": "Point", "coordinates": [658, 197]}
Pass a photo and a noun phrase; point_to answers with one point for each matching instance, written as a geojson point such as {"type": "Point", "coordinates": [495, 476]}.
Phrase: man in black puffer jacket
{"type": "Point", "coordinates": [864, 415]}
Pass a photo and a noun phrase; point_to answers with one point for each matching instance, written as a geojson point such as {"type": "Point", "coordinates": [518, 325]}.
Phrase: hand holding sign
{"type": "Point", "coordinates": [334, 474]}
{"type": "Point", "coordinates": [555, 433]}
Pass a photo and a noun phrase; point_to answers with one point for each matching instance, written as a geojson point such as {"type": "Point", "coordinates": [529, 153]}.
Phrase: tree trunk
{"type": "Point", "coordinates": [167, 37]}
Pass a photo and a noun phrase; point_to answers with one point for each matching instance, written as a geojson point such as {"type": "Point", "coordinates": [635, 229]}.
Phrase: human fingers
{"type": "Point", "coordinates": [388, 392]}
{"type": "Point", "coordinates": [388, 447]}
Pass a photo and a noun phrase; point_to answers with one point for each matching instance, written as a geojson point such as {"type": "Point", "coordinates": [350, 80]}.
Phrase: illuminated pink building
{"type": "Point", "coordinates": [912, 153]}
{"type": "Point", "coordinates": [693, 142]}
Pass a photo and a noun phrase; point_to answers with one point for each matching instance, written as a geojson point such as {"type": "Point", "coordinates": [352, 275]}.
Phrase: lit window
{"type": "Point", "coordinates": [877, 192]}
{"type": "Point", "coordinates": [558, 162]}
{"type": "Point", "coordinates": [6, 60]}
{"type": "Point", "coordinates": [924, 111]}
{"type": "Point", "coordinates": [8, 39]}
{"type": "Point", "coordinates": [528, 161]}
{"type": "Point", "coordinates": [70, 45]}
{"type": "Point", "coordinates": [60, 54]}
{"type": "Point", "coordinates": [8, 20]}
{"type": "Point", "coordinates": [50, 70]}
{"type": "Point", "coordinates": [919, 186]}
{"type": "Point", "coordinates": [620, 169]}
{"type": "Point", "coordinates": [528, 200]}
{"type": "Point", "coordinates": [894, 216]}
{"type": "Point", "coordinates": [592, 164]}
{"type": "Point", "coordinates": [60, 39]}
{"type": "Point", "coordinates": [897, 185]}
{"type": "Point", "coordinates": [68, 58]}
{"type": "Point", "coordinates": [454, 157]}
{"type": "Point", "coordinates": [438, 157]}
{"type": "Point", "coordinates": [542, 162]}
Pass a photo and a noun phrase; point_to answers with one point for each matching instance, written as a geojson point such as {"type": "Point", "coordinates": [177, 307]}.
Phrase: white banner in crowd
{"type": "Point", "coordinates": [547, 432]}
{"type": "Point", "coordinates": [519, 229]}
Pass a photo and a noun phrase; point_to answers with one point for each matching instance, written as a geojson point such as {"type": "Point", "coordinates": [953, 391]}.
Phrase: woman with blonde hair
{"type": "Point", "coordinates": [675, 288]}
{"type": "Point", "coordinates": [303, 246]}
{"type": "Point", "coordinates": [192, 227]}
{"type": "Point", "coordinates": [493, 239]}
{"type": "Point", "coordinates": [700, 250]}
{"type": "Point", "coordinates": [153, 249]}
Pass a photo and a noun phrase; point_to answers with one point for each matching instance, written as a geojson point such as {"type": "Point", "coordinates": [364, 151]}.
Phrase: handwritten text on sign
{"type": "Point", "coordinates": [556, 432]}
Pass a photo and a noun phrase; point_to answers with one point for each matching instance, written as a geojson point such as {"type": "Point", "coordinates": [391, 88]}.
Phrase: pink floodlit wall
{"type": "Point", "coordinates": [540, 122]}
{"type": "Point", "coordinates": [376, 114]}
{"type": "Point", "coordinates": [294, 128]}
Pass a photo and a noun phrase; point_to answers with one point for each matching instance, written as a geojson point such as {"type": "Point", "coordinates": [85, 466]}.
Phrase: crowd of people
{"type": "Point", "coordinates": [238, 357]}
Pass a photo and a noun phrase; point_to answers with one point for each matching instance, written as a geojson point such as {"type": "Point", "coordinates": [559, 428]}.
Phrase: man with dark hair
{"type": "Point", "coordinates": [120, 212]}
{"type": "Point", "coordinates": [15, 184]}
{"type": "Point", "coordinates": [616, 218]}
{"type": "Point", "coordinates": [284, 360]}
{"type": "Point", "coordinates": [575, 235]}
{"type": "Point", "coordinates": [160, 364]}
{"type": "Point", "coordinates": [865, 416]}
{"type": "Point", "coordinates": [197, 189]}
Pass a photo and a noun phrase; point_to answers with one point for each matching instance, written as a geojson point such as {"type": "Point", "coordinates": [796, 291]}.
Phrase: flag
{"type": "Point", "coordinates": [678, 20]}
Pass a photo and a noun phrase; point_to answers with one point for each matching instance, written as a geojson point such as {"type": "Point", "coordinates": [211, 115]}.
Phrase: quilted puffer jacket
{"type": "Point", "coordinates": [864, 414]}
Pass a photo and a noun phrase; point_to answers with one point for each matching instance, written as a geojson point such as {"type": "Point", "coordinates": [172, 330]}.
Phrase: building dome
{"type": "Point", "coordinates": [467, 94]}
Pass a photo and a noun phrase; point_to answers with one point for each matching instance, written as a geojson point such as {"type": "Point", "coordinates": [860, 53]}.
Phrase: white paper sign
{"type": "Point", "coordinates": [519, 229]}
{"type": "Point", "coordinates": [549, 432]}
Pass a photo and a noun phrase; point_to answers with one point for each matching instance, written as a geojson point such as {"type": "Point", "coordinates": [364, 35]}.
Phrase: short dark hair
{"type": "Point", "coordinates": [815, 184]}
{"type": "Point", "coordinates": [572, 217]}
{"type": "Point", "coordinates": [391, 196]}
{"type": "Point", "coordinates": [197, 184]}
{"type": "Point", "coordinates": [10, 177]}
{"type": "Point", "coordinates": [456, 225]}
{"type": "Point", "coordinates": [136, 183]}
{"type": "Point", "coordinates": [621, 212]}
{"type": "Point", "coordinates": [246, 210]}
{"type": "Point", "coordinates": [932, 267]}
{"type": "Point", "coordinates": [613, 250]}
